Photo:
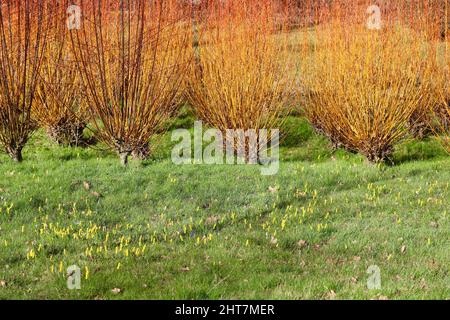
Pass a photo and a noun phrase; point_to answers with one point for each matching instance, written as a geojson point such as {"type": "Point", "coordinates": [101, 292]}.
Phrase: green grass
{"type": "Point", "coordinates": [226, 232]}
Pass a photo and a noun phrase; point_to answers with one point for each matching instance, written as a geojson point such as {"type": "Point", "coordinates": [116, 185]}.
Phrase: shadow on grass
{"type": "Point", "coordinates": [414, 150]}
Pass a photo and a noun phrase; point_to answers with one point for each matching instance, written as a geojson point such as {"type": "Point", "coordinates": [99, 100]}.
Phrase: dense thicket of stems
{"type": "Point", "coordinates": [124, 70]}
{"type": "Point", "coordinates": [446, 89]}
{"type": "Point", "coordinates": [363, 87]}
{"type": "Point", "coordinates": [23, 36]}
{"type": "Point", "coordinates": [442, 111]}
{"type": "Point", "coordinates": [242, 77]}
{"type": "Point", "coordinates": [59, 107]}
{"type": "Point", "coordinates": [419, 14]}
{"type": "Point", "coordinates": [132, 57]}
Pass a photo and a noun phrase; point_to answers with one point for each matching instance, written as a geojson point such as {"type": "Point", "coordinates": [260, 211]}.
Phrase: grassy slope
{"type": "Point", "coordinates": [226, 231]}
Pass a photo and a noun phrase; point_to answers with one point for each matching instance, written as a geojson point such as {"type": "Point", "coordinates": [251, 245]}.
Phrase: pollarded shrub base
{"type": "Point", "coordinates": [380, 154]}
{"type": "Point", "coordinates": [16, 155]}
{"type": "Point", "coordinates": [142, 152]}
{"type": "Point", "coordinates": [14, 150]}
{"type": "Point", "coordinates": [67, 133]}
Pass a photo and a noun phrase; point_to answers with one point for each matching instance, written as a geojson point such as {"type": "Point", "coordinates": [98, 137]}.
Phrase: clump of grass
{"type": "Point", "coordinates": [364, 86]}
{"type": "Point", "coordinates": [132, 56]}
{"type": "Point", "coordinates": [59, 108]}
{"type": "Point", "coordinates": [242, 77]}
{"type": "Point", "coordinates": [23, 37]}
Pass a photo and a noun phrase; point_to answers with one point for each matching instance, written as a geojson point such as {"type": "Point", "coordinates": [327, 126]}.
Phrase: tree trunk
{"type": "Point", "coordinates": [16, 154]}
{"type": "Point", "coordinates": [124, 158]}
{"type": "Point", "coordinates": [380, 155]}
{"type": "Point", "coordinates": [142, 153]}
{"type": "Point", "coordinates": [67, 133]}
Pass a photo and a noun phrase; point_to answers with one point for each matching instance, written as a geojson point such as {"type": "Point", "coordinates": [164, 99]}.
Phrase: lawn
{"type": "Point", "coordinates": [160, 231]}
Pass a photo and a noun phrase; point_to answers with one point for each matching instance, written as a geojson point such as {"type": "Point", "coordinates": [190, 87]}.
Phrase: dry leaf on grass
{"type": "Point", "coordinates": [273, 241]}
{"type": "Point", "coordinates": [302, 243]}
{"type": "Point", "coordinates": [331, 294]}
{"type": "Point", "coordinates": [273, 189]}
{"type": "Point", "coordinates": [212, 220]}
{"type": "Point", "coordinates": [96, 194]}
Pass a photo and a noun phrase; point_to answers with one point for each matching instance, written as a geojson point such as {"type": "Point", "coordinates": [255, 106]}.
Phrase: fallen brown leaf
{"type": "Point", "coordinates": [423, 283]}
{"type": "Point", "coordinates": [302, 243]}
{"type": "Point", "coordinates": [96, 194]}
{"type": "Point", "coordinates": [434, 224]}
{"type": "Point", "coordinates": [212, 220]}
{"type": "Point", "coordinates": [87, 185]}
{"type": "Point", "coordinates": [116, 290]}
{"type": "Point", "coordinates": [273, 241]}
{"type": "Point", "coordinates": [331, 295]}
{"type": "Point", "coordinates": [273, 189]}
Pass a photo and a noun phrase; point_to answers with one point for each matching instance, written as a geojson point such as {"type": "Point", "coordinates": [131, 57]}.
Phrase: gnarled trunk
{"type": "Point", "coordinates": [124, 158]}
{"type": "Point", "coordinates": [15, 153]}
{"type": "Point", "coordinates": [22, 42]}
{"type": "Point", "coordinates": [67, 133]}
{"type": "Point", "coordinates": [381, 154]}
{"type": "Point", "coordinates": [142, 152]}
